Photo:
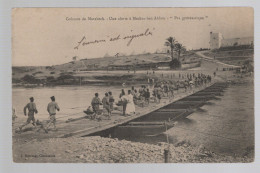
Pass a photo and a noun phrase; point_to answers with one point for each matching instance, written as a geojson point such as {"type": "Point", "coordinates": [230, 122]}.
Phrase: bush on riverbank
{"type": "Point", "coordinates": [30, 79]}
{"type": "Point", "coordinates": [175, 64]}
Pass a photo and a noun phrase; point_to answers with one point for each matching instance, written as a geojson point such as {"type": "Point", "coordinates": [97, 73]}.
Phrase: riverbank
{"type": "Point", "coordinates": [106, 150]}
{"type": "Point", "coordinates": [103, 78]}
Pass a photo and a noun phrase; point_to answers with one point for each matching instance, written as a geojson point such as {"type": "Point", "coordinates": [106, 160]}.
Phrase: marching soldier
{"type": "Point", "coordinates": [31, 106]}
{"type": "Point", "coordinates": [51, 108]}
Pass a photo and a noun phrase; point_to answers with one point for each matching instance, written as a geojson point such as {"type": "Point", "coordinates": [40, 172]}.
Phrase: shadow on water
{"type": "Point", "coordinates": [134, 135]}
{"type": "Point", "coordinates": [151, 139]}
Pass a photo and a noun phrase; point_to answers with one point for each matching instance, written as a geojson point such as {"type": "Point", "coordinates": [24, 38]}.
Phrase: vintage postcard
{"type": "Point", "coordinates": [133, 85]}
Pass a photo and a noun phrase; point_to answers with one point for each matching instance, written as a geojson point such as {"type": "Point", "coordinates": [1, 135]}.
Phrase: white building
{"type": "Point", "coordinates": [217, 41]}
{"type": "Point", "coordinates": [237, 41]}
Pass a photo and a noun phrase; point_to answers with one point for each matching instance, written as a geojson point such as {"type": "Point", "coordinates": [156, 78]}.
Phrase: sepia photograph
{"type": "Point", "coordinates": [133, 85]}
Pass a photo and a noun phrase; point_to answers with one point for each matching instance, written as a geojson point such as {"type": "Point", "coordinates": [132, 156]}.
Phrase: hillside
{"type": "Point", "coordinates": [141, 61]}
{"type": "Point", "coordinates": [70, 72]}
{"type": "Point", "coordinates": [105, 62]}
{"type": "Point", "coordinates": [233, 57]}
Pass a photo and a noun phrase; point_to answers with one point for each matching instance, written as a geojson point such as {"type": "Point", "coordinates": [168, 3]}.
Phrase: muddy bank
{"type": "Point", "coordinates": [106, 150]}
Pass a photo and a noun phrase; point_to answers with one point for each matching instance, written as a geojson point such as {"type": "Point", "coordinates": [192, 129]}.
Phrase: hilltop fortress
{"type": "Point", "coordinates": [217, 41]}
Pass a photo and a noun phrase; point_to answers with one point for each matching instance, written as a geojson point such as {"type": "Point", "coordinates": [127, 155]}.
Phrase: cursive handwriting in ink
{"type": "Point", "coordinates": [84, 43]}
{"type": "Point", "coordinates": [115, 39]}
{"type": "Point", "coordinates": [79, 43]}
{"type": "Point", "coordinates": [131, 37]}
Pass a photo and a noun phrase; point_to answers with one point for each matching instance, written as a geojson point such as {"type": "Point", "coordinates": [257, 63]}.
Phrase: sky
{"type": "Point", "coordinates": [48, 36]}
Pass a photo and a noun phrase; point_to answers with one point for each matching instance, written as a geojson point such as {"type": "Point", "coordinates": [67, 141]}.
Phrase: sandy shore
{"type": "Point", "coordinates": [106, 150]}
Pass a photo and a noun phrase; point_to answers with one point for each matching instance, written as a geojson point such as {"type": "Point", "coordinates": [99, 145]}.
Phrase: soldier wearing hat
{"type": "Point", "coordinates": [31, 106]}
{"type": "Point", "coordinates": [51, 108]}
{"type": "Point", "coordinates": [95, 105]}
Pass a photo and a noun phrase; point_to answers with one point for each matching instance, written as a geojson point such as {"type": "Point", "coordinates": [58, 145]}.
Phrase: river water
{"type": "Point", "coordinates": [71, 99]}
{"type": "Point", "coordinates": [223, 126]}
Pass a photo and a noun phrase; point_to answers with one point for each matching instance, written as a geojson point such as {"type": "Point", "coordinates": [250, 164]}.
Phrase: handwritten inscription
{"type": "Point", "coordinates": [129, 38]}
{"type": "Point", "coordinates": [83, 42]}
